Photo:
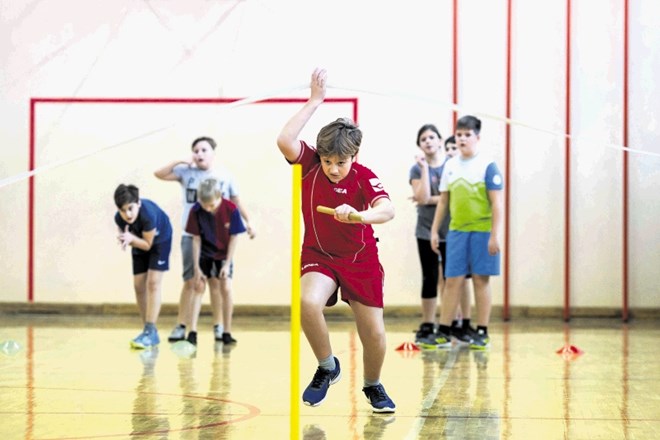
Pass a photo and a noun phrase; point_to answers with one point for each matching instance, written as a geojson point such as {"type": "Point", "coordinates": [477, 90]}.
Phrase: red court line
{"type": "Point", "coordinates": [122, 100]}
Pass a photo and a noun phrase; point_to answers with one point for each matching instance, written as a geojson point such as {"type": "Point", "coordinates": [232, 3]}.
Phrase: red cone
{"type": "Point", "coordinates": [407, 346]}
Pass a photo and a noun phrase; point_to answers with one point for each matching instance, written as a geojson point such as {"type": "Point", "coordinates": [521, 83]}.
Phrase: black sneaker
{"type": "Point", "coordinates": [481, 341]}
{"type": "Point", "coordinates": [379, 400]}
{"type": "Point", "coordinates": [192, 338]}
{"type": "Point", "coordinates": [227, 339]}
{"type": "Point", "coordinates": [425, 330]}
{"type": "Point", "coordinates": [461, 336]}
{"type": "Point", "coordinates": [316, 391]}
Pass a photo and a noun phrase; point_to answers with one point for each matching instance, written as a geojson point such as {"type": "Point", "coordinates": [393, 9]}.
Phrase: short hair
{"type": "Point", "coordinates": [125, 194]}
{"type": "Point", "coordinates": [339, 138]}
{"type": "Point", "coordinates": [426, 127]}
{"type": "Point", "coordinates": [450, 140]}
{"type": "Point", "coordinates": [209, 191]}
{"type": "Point", "coordinates": [211, 142]}
{"type": "Point", "coordinates": [469, 123]}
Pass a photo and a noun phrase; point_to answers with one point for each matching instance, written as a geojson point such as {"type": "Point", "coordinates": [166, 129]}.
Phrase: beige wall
{"type": "Point", "coordinates": [396, 59]}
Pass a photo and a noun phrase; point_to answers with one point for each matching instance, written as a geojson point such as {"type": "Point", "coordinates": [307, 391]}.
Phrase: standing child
{"type": "Point", "coordinates": [190, 173]}
{"type": "Point", "coordinates": [339, 251]}
{"type": "Point", "coordinates": [147, 230]}
{"type": "Point", "coordinates": [471, 187]}
{"type": "Point", "coordinates": [425, 181]}
{"type": "Point", "coordinates": [214, 223]}
{"type": "Point", "coordinates": [424, 177]}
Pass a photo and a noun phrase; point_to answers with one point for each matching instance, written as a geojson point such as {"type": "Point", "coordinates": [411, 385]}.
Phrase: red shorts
{"type": "Point", "coordinates": [360, 281]}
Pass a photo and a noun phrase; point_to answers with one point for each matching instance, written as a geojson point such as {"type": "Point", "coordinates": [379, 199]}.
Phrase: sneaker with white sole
{"type": "Point", "coordinates": [178, 333]}
{"type": "Point", "coordinates": [379, 400]}
{"type": "Point", "coordinates": [316, 391]}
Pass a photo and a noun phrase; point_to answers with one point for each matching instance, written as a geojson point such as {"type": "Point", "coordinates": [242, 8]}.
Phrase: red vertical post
{"type": "Point", "coordinates": [30, 250]}
{"type": "Point", "coordinates": [507, 164]}
{"type": "Point", "coordinates": [624, 287]}
{"type": "Point", "coordinates": [567, 183]}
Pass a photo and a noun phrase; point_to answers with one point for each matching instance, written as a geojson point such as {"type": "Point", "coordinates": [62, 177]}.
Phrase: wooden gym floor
{"type": "Point", "coordinates": [74, 377]}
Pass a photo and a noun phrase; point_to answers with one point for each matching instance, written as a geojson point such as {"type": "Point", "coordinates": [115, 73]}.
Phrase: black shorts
{"type": "Point", "coordinates": [211, 268]}
{"type": "Point", "coordinates": [157, 258]}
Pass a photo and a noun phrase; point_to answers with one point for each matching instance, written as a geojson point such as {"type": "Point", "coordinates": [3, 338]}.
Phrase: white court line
{"type": "Point", "coordinates": [431, 396]}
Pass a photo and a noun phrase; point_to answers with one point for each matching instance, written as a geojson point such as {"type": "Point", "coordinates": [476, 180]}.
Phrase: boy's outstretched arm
{"type": "Point", "coordinates": [287, 141]}
{"type": "Point", "coordinates": [438, 217]}
{"type": "Point", "coordinates": [167, 172]}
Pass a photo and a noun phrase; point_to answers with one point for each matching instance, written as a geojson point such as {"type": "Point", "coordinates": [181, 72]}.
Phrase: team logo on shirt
{"type": "Point", "coordinates": [227, 225]}
{"type": "Point", "coordinates": [340, 190]}
{"type": "Point", "coordinates": [376, 185]}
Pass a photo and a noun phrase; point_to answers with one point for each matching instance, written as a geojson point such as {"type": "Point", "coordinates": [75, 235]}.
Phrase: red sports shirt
{"type": "Point", "coordinates": [359, 189]}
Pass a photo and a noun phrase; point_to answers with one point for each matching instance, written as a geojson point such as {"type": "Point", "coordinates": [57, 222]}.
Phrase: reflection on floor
{"type": "Point", "coordinates": [76, 377]}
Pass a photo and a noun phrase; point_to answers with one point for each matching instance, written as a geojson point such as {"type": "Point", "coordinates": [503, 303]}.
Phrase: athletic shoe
{"type": "Point", "coordinates": [315, 392]}
{"type": "Point", "coordinates": [470, 331]}
{"type": "Point", "coordinates": [178, 334]}
{"type": "Point", "coordinates": [146, 339]}
{"type": "Point", "coordinates": [426, 329]}
{"type": "Point", "coordinates": [192, 338]}
{"type": "Point", "coordinates": [227, 339]}
{"type": "Point", "coordinates": [378, 398]}
{"type": "Point", "coordinates": [442, 340]}
{"type": "Point", "coordinates": [427, 343]}
{"type": "Point", "coordinates": [217, 332]}
{"type": "Point", "coordinates": [481, 341]}
{"type": "Point", "coordinates": [460, 336]}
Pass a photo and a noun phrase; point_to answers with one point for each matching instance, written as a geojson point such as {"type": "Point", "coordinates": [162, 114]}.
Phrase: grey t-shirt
{"type": "Point", "coordinates": [425, 213]}
{"type": "Point", "coordinates": [191, 177]}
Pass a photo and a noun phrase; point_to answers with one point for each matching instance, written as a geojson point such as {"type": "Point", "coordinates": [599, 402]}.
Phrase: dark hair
{"type": "Point", "coordinates": [450, 140]}
{"type": "Point", "coordinates": [339, 138]}
{"type": "Point", "coordinates": [426, 127]}
{"type": "Point", "coordinates": [125, 194]}
{"type": "Point", "coordinates": [202, 139]}
{"type": "Point", "coordinates": [469, 123]}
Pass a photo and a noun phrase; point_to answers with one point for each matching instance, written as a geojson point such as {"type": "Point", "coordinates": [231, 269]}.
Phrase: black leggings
{"type": "Point", "coordinates": [430, 272]}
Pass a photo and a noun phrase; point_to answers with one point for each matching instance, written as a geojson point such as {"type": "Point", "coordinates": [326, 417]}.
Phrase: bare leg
{"type": "Point", "coordinates": [483, 298]}
{"type": "Point", "coordinates": [140, 287]}
{"type": "Point", "coordinates": [316, 290]}
{"type": "Point", "coordinates": [196, 306]}
{"type": "Point", "coordinates": [225, 288]}
{"type": "Point", "coordinates": [186, 301]}
{"type": "Point", "coordinates": [429, 308]}
{"type": "Point", "coordinates": [371, 329]}
{"type": "Point", "coordinates": [450, 299]}
{"type": "Point", "coordinates": [153, 302]}
{"type": "Point", "coordinates": [216, 302]}
{"type": "Point", "coordinates": [466, 300]}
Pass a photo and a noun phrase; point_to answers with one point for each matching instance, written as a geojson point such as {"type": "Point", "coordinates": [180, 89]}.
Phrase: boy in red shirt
{"type": "Point", "coordinates": [339, 252]}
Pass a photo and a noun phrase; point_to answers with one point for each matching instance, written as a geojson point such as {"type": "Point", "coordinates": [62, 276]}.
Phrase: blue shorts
{"type": "Point", "coordinates": [158, 258]}
{"type": "Point", "coordinates": [467, 253]}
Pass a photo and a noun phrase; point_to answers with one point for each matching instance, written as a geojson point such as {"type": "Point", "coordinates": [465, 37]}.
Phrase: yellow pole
{"type": "Point", "coordinates": [295, 304]}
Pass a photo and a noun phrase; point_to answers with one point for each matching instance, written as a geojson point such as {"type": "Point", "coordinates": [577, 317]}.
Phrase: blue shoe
{"type": "Point", "coordinates": [146, 339]}
{"type": "Point", "coordinates": [379, 400]}
{"type": "Point", "coordinates": [315, 392]}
